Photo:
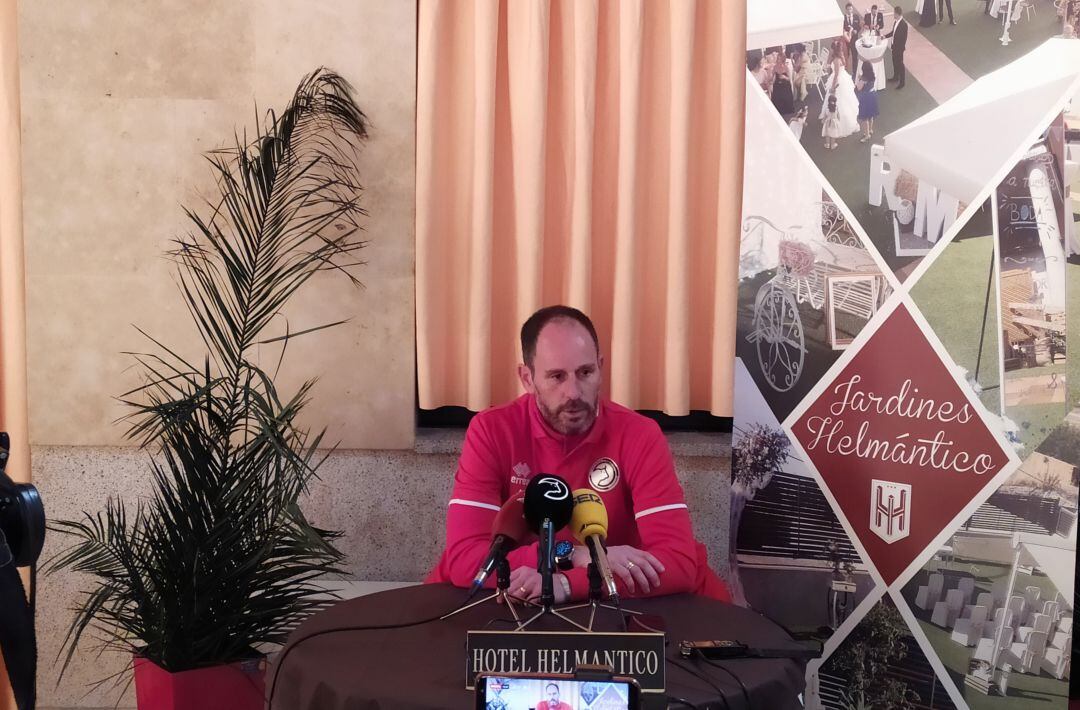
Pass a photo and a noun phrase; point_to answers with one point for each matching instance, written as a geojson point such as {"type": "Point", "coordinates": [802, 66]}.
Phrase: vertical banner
{"type": "Point", "coordinates": [906, 445]}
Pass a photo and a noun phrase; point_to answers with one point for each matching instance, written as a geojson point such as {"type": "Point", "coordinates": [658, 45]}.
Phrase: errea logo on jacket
{"type": "Point", "coordinates": [521, 474]}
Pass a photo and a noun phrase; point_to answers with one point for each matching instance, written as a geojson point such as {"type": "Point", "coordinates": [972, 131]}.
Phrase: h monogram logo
{"type": "Point", "coordinates": [890, 510]}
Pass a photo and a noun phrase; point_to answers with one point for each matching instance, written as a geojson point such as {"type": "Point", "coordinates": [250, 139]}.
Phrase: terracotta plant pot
{"type": "Point", "coordinates": [236, 686]}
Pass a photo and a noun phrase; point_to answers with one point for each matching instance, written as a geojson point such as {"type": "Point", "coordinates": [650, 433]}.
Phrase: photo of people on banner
{"type": "Point", "coordinates": [807, 282]}
{"type": "Point", "coordinates": [850, 77]}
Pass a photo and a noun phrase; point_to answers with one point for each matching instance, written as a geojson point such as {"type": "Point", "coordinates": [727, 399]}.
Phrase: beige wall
{"type": "Point", "coordinates": [119, 100]}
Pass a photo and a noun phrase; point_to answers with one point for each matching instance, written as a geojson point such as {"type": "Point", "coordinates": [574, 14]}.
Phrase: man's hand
{"type": "Point", "coordinates": [638, 569]}
{"type": "Point", "coordinates": [525, 583]}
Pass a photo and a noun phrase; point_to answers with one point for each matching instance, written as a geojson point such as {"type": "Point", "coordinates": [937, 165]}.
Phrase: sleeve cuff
{"type": "Point", "coordinates": [579, 583]}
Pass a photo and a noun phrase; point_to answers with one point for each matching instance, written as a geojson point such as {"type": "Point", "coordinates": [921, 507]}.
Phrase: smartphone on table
{"type": "Point", "coordinates": [524, 691]}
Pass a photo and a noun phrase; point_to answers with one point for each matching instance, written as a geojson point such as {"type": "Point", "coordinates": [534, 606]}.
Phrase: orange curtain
{"type": "Point", "coordinates": [585, 152]}
{"type": "Point", "coordinates": [13, 417]}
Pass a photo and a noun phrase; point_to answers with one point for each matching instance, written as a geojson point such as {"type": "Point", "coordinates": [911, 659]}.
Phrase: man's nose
{"type": "Point", "coordinates": [572, 389]}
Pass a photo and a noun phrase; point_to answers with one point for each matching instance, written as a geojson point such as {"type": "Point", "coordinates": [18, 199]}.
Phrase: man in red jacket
{"type": "Point", "coordinates": [562, 426]}
{"type": "Point", "coordinates": [552, 702]}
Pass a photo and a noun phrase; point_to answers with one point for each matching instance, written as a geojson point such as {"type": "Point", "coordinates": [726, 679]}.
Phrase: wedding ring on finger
{"type": "Point", "coordinates": [630, 565]}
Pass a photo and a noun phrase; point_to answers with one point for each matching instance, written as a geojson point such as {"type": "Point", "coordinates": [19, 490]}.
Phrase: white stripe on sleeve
{"type": "Point", "coordinates": [477, 504]}
{"type": "Point", "coordinates": [660, 509]}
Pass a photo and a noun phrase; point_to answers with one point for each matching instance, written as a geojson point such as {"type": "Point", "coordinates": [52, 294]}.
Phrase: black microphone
{"type": "Point", "coordinates": [548, 508]}
{"type": "Point", "coordinates": [547, 497]}
{"type": "Point", "coordinates": [507, 532]}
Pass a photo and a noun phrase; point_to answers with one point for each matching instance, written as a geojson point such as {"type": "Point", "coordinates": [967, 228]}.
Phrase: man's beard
{"type": "Point", "coordinates": [576, 426]}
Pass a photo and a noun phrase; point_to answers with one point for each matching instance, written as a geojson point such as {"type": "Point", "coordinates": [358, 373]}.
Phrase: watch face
{"type": "Point", "coordinates": [564, 548]}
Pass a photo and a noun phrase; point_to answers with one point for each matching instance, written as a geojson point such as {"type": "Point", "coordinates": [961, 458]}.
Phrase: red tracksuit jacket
{"type": "Point", "coordinates": [624, 458]}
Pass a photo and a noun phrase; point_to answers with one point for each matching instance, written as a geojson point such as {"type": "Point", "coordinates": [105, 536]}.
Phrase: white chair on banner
{"type": "Point", "coordinates": [1053, 610]}
{"type": "Point", "coordinates": [1017, 607]}
{"type": "Point", "coordinates": [1027, 656]}
{"type": "Point", "coordinates": [930, 593]}
{"type": "Point", "coordinates": [984, 651]}
{"type": "Point", "coordinates": [984, 600]}
{"type": "Point", "coordinates": [946, 612]}
{"type": "Point", "coordinates": [968, 632]}
{"type": "Point", "coordinates": [1057, 658]}
{"type": "Point", "coordinates": [998, 591]}
{"type": "Point", "coordinates": [1002, 617]}
{"type": "Point", "coordinates": [1040, 624]}
{"type": "Point", "coordinates": [967, 586]}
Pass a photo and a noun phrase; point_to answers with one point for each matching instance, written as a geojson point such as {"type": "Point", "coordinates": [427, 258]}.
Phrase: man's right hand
{"type": "Point", "coordinates": [638, 569]}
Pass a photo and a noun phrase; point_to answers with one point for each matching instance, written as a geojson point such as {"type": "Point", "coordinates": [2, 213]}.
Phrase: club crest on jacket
{"type": "Point", "coordinates": [604, 475]}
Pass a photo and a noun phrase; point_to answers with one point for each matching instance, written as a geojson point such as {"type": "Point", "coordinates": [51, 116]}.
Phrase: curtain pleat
{"type": "Point", "coordinates": [584, 17]}
{"type": "Point", "coordinates": [623, 362]}
{"type": "Point", "coordinates": [677, 315]}
{"type": "Point", "coordinates": [590, 163]}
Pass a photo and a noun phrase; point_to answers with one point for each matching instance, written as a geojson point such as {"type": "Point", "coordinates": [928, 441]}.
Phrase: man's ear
{"type": "Point", "coordinates": [526, 377]}
{"type": "Point", "coordinates": [600, 361]}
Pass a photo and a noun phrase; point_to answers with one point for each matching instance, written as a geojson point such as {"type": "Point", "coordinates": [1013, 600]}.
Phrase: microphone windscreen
{"type": "Point", "coordinates": [590, 515]}
{"type": "Point", "coordinates": [548, 497]}
{"type": "Point", "coordinates": [510, 521]}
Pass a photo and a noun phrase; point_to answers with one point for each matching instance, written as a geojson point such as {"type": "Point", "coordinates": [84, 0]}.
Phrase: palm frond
{"type": "Point", "coordinates": [221, 558]}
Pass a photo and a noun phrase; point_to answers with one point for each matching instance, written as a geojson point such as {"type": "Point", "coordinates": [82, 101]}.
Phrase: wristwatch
{"type": "Point", "coordinates": [564, 555]}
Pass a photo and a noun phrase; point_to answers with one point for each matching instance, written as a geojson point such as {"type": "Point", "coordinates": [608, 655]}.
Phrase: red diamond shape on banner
{"type": "Point", "coordinates": [898, 444]}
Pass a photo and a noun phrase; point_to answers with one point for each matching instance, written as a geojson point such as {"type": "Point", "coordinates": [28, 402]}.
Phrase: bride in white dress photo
{"type": "Point", "coordinates": [841, 85]}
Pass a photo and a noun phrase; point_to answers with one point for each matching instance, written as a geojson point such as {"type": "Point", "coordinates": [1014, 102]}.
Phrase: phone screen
{"type": "Point", "coordinates": [502, 693]}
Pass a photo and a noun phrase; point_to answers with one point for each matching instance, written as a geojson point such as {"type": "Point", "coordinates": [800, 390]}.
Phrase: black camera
{"type": "Point", "coordinates": [22, 517]}
{"type": "Point", "coordinates": [22, 535]}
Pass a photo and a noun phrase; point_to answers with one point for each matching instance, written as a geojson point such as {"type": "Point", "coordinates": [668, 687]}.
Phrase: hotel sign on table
{"type": "Point", "coordinates": [637, 655]}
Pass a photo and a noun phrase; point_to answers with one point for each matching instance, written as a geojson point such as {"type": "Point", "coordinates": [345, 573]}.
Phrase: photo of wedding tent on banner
{"type": "Point", "coordinates": [996, 601]}
{"type": "Point", "coordinates": [919, 475]}
{"type": "Point", "coordinates": [886, 70]}
{"type": "Point", "coordinates": [1029, 216]}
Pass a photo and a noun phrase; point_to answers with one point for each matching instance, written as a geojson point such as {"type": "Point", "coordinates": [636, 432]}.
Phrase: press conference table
{"type": "Point", "coordinates": [423, 667]}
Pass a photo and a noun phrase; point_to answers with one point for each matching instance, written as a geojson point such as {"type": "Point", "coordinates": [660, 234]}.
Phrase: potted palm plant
{"type": "Point", "coordinates": [221, 560]}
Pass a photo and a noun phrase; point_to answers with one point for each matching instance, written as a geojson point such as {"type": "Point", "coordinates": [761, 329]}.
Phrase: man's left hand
{"type": "Point", "coordinates": [526, 583]}
{"type": "Point", "coordinates": [639, 570]}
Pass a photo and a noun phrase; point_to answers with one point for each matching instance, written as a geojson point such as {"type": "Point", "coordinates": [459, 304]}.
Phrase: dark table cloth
{"type": "Point", "coordinates": [423, 667]}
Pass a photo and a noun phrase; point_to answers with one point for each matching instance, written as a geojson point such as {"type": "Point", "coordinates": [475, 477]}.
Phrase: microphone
{"type": "Point", "coordinates": [589, 526]}
{"type": "Point", "coordinates": [507, 531]}
{"type": "Point", "coordinates": [548, 508]}
{"type": "Point", "coordinates": [547, 497]}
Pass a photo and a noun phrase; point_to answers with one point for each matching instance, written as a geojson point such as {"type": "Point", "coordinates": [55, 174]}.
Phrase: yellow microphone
{"type": "Point", "coordinates": [588, 523]}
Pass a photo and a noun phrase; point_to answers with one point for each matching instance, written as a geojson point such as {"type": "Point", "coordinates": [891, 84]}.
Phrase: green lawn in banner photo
{"type": "Point", "coordinates": [848, 166]}
{"type": "Point", "coordinates": [1036, 421]}
{"type": "Point", "coordinates": [952, 297]}
{"type": "Point", "coordinates": [1025, 691]}
{"type": "Point", "coordinates": [973, 43]}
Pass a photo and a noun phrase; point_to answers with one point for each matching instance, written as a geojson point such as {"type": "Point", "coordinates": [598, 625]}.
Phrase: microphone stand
{"type": "Point", "coordinates": [596, 596]}
{"type": "Point", "coordinates": [546, 553]}
{"type": "Point", "coordinates": [502, 592]}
